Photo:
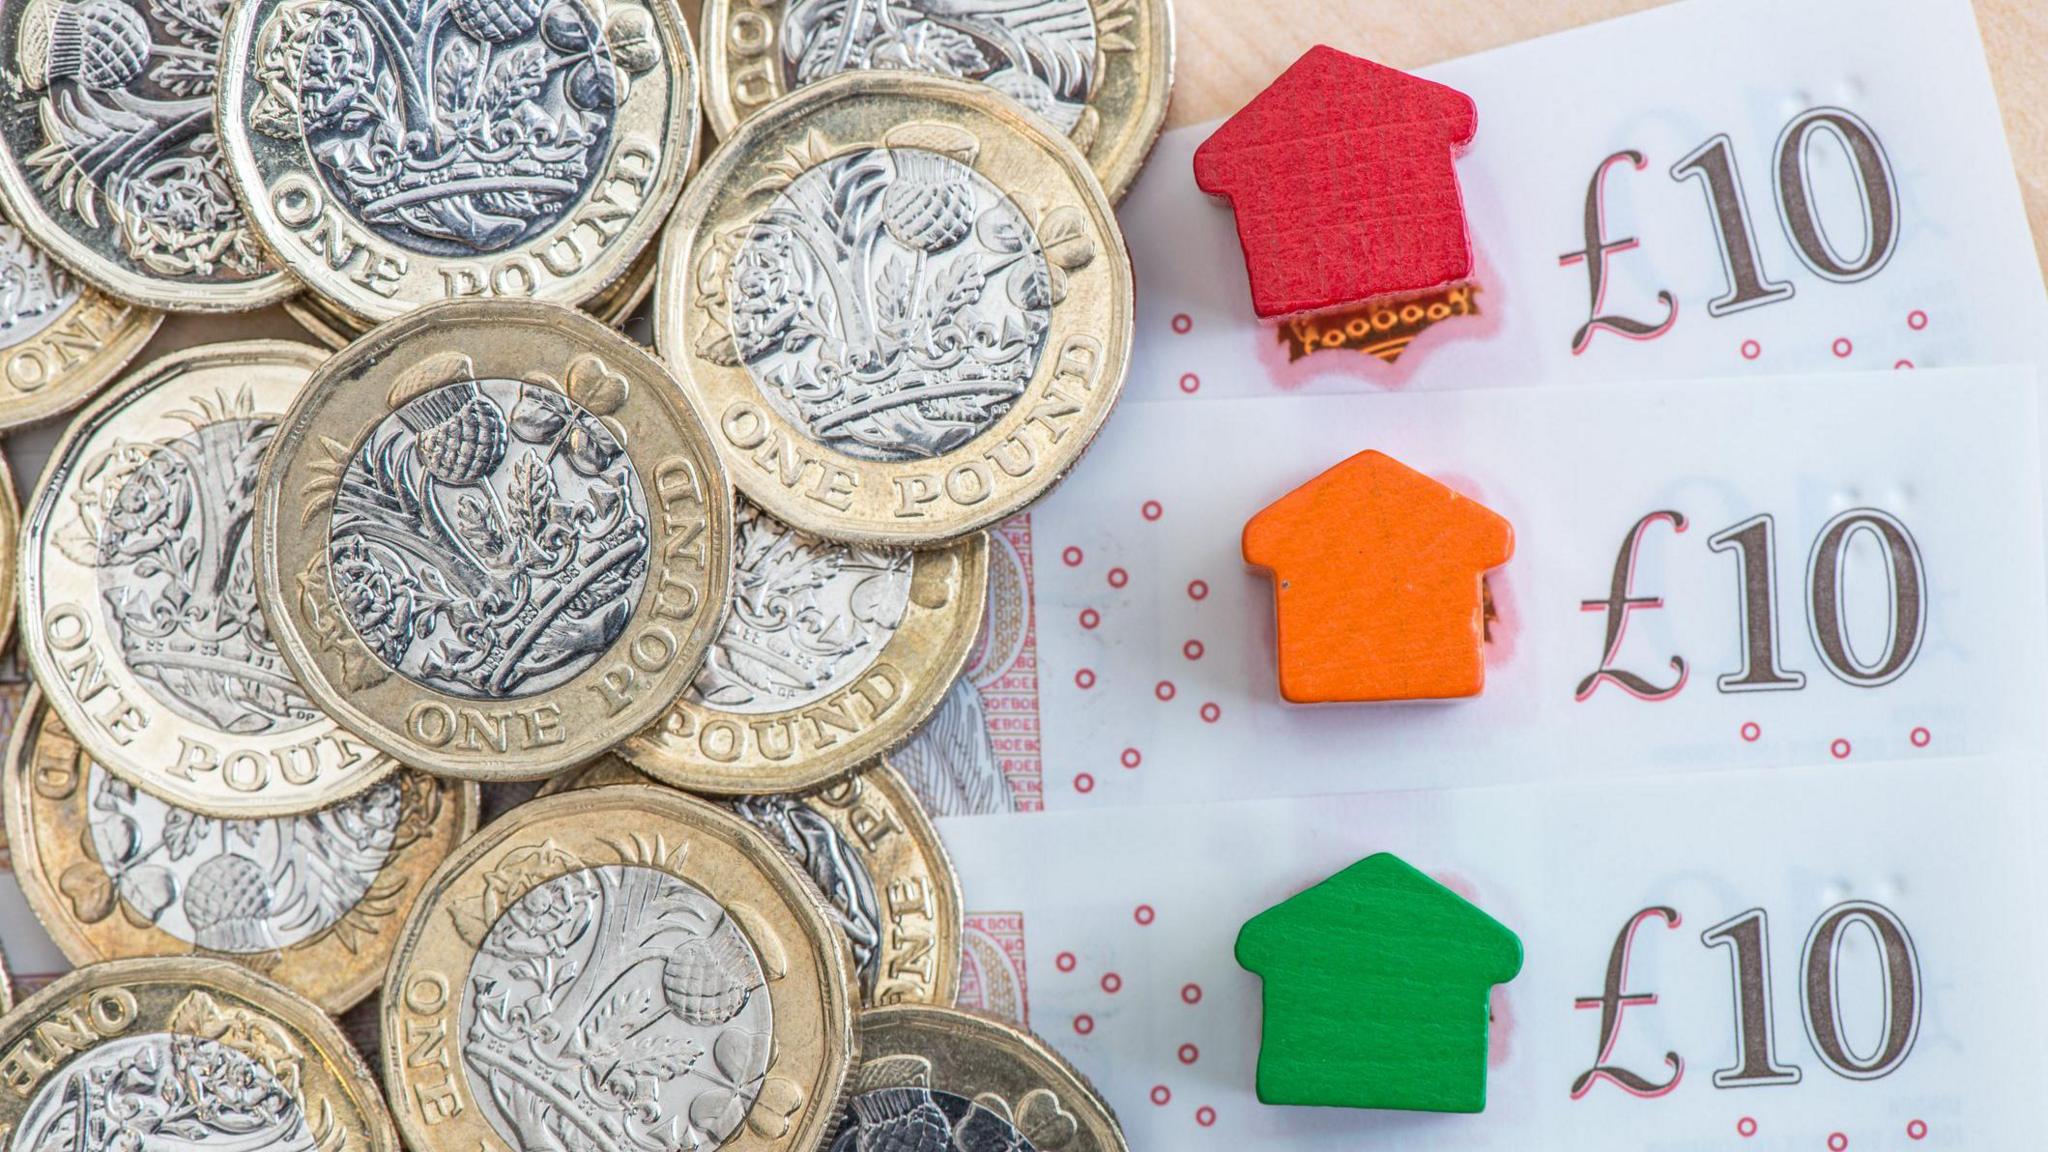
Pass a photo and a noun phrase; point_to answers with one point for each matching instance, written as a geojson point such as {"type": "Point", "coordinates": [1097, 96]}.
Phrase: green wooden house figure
{"type": "Point", "coordinates": [1376, 984]}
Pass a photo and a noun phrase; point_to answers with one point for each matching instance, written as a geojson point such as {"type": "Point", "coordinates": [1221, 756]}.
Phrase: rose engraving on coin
{"type": "Point", "coordinates": [490, 536]}
{"type": "Point", "coordinates": [115, 149]}
{"type": "Point", "coordinates": [926, 1120]}
{"type": "Point", "coordinates": [832, 864]}
{"type": "Point", "coordinates": [164, 1090]}
{"type": "Point", "coordinates": [166, 526]}
{"type": "Point", "coordinates": [1041, 54]}
{"type": "Point", "coordinates": [241, 887]}
{"type": "Point", "coordinates": [808, 616]}
{"type": "Point", "coordinates": [892, 301]}
{"type": "Point", "coordinates": [615, 1006]}
{"type": "Point", "coordinates": [34, 290]}
{"type": "Point", "coordinates": [459, 128]}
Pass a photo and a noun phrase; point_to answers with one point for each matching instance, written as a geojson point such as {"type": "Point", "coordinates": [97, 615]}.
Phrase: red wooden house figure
{"type": "Point", "coordinates": [1342, 179]}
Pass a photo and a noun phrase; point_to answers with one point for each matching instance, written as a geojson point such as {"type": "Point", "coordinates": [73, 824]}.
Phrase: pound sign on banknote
{"type": "Point", "coordinates": [1612, 1002]}
{"type": "Point", "coordinates": [1598, 248]}
{"type": "Point", "coordinates": [1621, 600]}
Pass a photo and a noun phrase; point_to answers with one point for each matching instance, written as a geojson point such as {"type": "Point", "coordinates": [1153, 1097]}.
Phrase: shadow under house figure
{"type": "Point", "coordinates": [1376, 985]}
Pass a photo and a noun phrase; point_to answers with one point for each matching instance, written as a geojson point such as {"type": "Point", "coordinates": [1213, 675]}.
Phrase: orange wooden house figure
{"type": "Point", "coordinates": [1377, 576]}
{"type": "Point", "coordinates": [1342, 179]}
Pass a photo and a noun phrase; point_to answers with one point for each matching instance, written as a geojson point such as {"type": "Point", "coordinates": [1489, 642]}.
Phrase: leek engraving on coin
{"type": "Point", "coordinates": [124, 90]}
{"type": "Point", "coordinates": [243, 887]}
{"type": "Point", "coordinates": [34, 290]}
{"type": "Point", "coordinates": [490, 537]}
{"type": "Point", "coordinates": [917, 1119]}
{"type": "Point", "coordinates": [890, 301]}
{"type": "Point", "coordinates": [164, 1090]}
{"type": "Point", "coordinates": [1041, 53]}
{"type": "Point", "coordinates": [452, 128]}
{"type": "Point", "coordinates": [614, 1007]}
{"type": "Point", "coordinates": [166, 526]}
{"type": "Point", "coordinates": [832, 864]}
{"type": "Point", "coordinates": [808, 617]}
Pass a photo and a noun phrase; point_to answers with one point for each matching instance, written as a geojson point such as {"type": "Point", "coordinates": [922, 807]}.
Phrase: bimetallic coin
{"type": "Point", "coordinates": [493, 538]}
{"type": "Point", "coordinates": [873, 852]}
{"type": "Point", "coordinates": [161, 1053]}
{"type": "Point", "coordinates": [831, 655]}
{"type": "Point", "coordinates": [109, 155]}
{"type": "Point", "coordinates": [620, 967]}
{"type": "Point", "coordinates": [1096, 71]}
{"type": "Point", "coordinates": [907, 306]}
{"type": "Point", "coordinates": [10, 552]}
{"type": "Point", "coordinates": [139, 588]}
{"type": "Point", "coordinates": [59, 339]}
{"type": "Point", "coordinates": [942, 1080]}
{"type": "Point", "coordinates": [396, 156]}
{"type": "Point", "coordinates": [312, 901]}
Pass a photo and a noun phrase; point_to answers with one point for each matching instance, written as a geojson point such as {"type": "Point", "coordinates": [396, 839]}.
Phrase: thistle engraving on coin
{"type": "Point", "coordinates": [921, 1119]}
{"type": "Point", "coordinates": [615, 1006]}
{"type": "Point", "coordinates": [120, 154]}
{"type": "Point", "coordinates": [242, 887]}
{"type": "Point", "coordinates": [1041, 53]}
{"type": "Point", "coordinates": [452, 128]}
{"type": "Point", "coordinates": [164, 524]}
{"type": "Point", "coordinates": [164, 1090]}
{"type": "Point", "coordinates": [892, 301]}
{"type": "Point", "coordinates": [808, 616]}
{"type": "Point", "coordinates": [490, 537]}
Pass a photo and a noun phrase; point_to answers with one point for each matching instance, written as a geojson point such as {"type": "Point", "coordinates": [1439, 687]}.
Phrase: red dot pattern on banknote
{"type": "Point", "coordinates": [1096, 997]}
{"type": "Point", "coordinates": [1746, 1127]}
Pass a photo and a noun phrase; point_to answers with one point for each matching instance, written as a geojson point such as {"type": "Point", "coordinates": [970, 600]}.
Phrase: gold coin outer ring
{"type": "Point", "coordinates": [124, 727]}
{"type": "Point", "coordinates": [699, 748]}
{"type": "Point", "coordinates": [846, 805]}
{"type": "Point", "coordinates": [915, 503]}
{"type": "Point", "coordinates": [90, 1006]}
{"type": "Point", "coordinates": [406, 280]}
{"type": "Point", "coordinates": [548, 731]}
{"type": "Point", "coordinates": [740, 45]}
{"type": "Point", "coordinates": [62, 366]}
{"type": "Point", "coordinates": [998, 1058]}
{"type": "Point", "coordinates": [10, 553]}
{"type": "Point", "coordinates": [334, 975]}
{"type": "Point", "coordinates": [811, 1001]}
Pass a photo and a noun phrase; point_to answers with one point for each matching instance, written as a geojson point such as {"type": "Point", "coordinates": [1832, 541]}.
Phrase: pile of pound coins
{"type": "Point", "coordinates": [522, 693]}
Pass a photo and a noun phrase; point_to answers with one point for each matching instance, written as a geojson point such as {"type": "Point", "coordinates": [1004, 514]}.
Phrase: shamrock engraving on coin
{"type": "Point", "coordinates": [164, 1053]}
{"type": "Point", "coordinates": [140, 587]}
{"type": "Point", "coordinates": [1096, 71]}
{"type": "Point", "coordinates": [907, 306]}
{"type": "Point", "coordinates": [60, 340]}
{"type": "Point", "coordinates": [109, 155]}
{"type": "Point", "coordinates": [622, 967]}
{"type": "Point", "coordinates": [313, 900]}
{"type": "Point", "coordinates": [394, 153]}
{"type": "Point", "coordinates": [940, 1080]}
{"type": "Point", "coordinates": [493, 538]}
{"type": "Point", "coordinates": [867, 845]}
{"type": "Point", "coordinates": [831, 655]}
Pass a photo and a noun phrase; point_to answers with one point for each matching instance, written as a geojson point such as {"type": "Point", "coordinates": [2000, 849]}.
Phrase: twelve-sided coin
{"type": "Point", "coordinates": [626, 967]}
{"type": "Point", "coordinates": [869, 847]}
{"type": "Point", "coordinates": [1096, 71]}
{"type": "Point", "coordinates": [493, 538]}
{"type": "Point", "coordinates": [395, 153]}
{"type": "Point", "coordinates": [906, 305]}
{"type": "Point", "coordinates": [313, 901]}
{"type": "Point", "coordinates": [139, 589]}
{"type": "Point", "coordinates": [109, 154]}
{"type": "Point", "coordinates": [183, 1053]}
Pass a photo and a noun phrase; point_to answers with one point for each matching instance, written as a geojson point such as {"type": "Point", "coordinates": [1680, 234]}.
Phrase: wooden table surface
{"type": "Point", "coordinates": [1231, 49]}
